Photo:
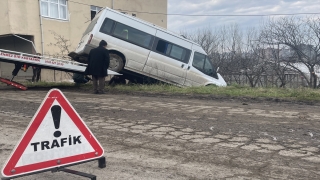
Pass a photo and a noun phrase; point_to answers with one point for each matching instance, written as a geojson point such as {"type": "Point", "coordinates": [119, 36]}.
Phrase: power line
{"type": "Point", "coordinates": [212, 15]}
{"type": "Point", "coordinates": [290, 14]}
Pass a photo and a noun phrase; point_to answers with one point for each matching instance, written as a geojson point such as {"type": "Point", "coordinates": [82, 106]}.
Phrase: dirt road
{"type": "Point", "coordinates": [163, 137]}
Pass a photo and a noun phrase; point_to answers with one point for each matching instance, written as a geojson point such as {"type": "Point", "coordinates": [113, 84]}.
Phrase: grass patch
{"type": "Point", "coordinates": [301, 94]}
{"type": "Point", "coordinates": [49, 84]}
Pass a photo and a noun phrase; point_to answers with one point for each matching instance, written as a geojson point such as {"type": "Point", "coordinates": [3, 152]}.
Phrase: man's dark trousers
{"type": "Point", "coordinates": [98, 84]}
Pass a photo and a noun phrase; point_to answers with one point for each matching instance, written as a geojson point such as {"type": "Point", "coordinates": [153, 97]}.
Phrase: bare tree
{"type": "Point", "coordinates": [231, 51]}
{"type": "Point", "coordinates": [205, 37]}
{"type": "Point", "coordinates": [276, 65]}
{"type": "Point", "coordinates": [62, 44]}
{"type": "Point", "coordinates": [212, 41]}
{"type": "Point", "coordinates": [302, 35]}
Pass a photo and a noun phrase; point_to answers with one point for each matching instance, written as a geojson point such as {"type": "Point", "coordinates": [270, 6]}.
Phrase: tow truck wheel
{"type": "Point", "coordinates": [116, 63]}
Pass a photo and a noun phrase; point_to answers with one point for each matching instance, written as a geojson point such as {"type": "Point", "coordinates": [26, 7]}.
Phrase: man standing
{"type": "Point", "coordinates": [36, 70]}
{"type": "Point", "coordinates": [98, 64]}
{"type": "Point", "coordinates": [36, 74]}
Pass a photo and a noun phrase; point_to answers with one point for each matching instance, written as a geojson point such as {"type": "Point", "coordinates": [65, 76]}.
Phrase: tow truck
{"type": "Point", "coordinates": [42, 62]}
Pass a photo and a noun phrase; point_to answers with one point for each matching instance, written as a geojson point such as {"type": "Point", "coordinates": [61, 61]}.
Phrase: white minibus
{"type": "Point", "coordinates": [139, 49]}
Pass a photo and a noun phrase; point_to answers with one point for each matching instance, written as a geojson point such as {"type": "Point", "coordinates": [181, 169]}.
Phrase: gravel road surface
{"type": "Point", "coordinates": [181, 137]}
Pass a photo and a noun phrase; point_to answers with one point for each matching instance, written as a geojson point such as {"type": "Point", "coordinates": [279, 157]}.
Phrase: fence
{"type": "Point", "coordinates": [292, 80]}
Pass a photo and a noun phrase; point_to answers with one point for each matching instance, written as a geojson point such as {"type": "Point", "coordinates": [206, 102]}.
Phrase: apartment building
{"type": "Point", "coordinates": [56, 26]}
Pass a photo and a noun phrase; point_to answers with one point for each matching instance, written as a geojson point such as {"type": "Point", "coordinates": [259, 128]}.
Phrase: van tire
{"type": "Point", "coordinates": [116, 63]}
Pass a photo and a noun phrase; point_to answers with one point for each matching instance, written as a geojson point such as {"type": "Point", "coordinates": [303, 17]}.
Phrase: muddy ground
{"type": "Point", "coordinates": [154, 136]}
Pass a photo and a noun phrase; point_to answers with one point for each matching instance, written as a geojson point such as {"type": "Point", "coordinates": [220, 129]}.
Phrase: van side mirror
{"type": "Point", "coordinates": [217, 69]}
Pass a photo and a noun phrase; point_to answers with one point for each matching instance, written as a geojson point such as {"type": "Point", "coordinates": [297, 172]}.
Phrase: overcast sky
{"type": "Point", "coordinates": [234, 7]}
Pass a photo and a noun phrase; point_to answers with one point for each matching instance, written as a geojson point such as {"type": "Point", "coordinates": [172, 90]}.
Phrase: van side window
{"type": "Point", "coordinates": [207, 68]}
{"type": "Point", "coordinates": [177, 52]}
{"type": "Point", "coordinates": [132, 35]}
{"type": "Point", "coordinates": [203, 64]}
{"type": "Point", "coordinates": [168, 49]}
{"type": "Point", "coordinates": [107, 26]}
{"type": "Point", "coordinates": [173, 51]}
{"type": "Point", "coordinates": [163, 47]}
{"type": "Point", "coordinates": [198, 61]}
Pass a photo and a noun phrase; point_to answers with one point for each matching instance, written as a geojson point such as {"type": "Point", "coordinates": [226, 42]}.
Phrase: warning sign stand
{"type": "Point", "coordinates": [56, 138]}
{"type": "Point", "coordinates": [101, 164]}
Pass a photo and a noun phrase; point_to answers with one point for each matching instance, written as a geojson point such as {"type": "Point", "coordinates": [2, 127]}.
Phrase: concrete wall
{"type": "Point", "coordinates": [22, 17]}
{"type": "Point", "coordinates": [4, 14]}
{"type": "Point", "coordinates": [152, 6]}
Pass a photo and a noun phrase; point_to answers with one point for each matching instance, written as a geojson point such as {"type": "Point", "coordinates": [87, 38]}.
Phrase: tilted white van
{"type": "Point", "coordinates": [141, 49]}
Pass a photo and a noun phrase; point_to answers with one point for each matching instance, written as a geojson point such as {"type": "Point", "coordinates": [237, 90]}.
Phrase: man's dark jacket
{"type": "Point", "coordinates": [98, 62]}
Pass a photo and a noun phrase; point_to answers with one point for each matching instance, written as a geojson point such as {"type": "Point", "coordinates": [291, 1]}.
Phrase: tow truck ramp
{"type": "Point", "coordinates": [42, 62]}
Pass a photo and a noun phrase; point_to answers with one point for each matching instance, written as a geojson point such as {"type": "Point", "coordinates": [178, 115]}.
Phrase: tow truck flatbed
{"type": "Point", "coordinates": [43, 62]}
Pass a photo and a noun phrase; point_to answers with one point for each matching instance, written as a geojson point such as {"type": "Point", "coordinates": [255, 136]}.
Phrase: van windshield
{"type": "Point", "coordinates": [91, 26]}
{"type": "Point", "coordinates": [203, 64]}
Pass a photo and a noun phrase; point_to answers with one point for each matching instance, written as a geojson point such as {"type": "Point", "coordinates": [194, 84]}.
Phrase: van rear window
{"type": "Point", "coordinates": [91, 26]}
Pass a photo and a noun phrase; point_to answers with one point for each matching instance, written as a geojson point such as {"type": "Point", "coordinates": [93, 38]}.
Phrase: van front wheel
{"type": "Point", "coordinates": [116, 63]}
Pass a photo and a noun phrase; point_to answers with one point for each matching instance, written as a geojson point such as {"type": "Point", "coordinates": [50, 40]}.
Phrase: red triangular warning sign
{"type": "Point", "coordinates": [56, 136]}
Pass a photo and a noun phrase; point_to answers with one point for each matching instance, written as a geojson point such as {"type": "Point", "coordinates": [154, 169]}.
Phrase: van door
{"type": "Point", "coordinates": [168, 61]}
{"type": "Point", "coordinates": [132, 42]}
{"type": "Point", "coordinates": [201, 71]}
{"type": "Point", "coordinates": [166, 68]}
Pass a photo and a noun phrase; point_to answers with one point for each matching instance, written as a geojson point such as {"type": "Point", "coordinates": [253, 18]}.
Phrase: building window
{"type": "Point", "coordinates": [94, 11]}
{"type": "Point", "coordinates": [56, 9]}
